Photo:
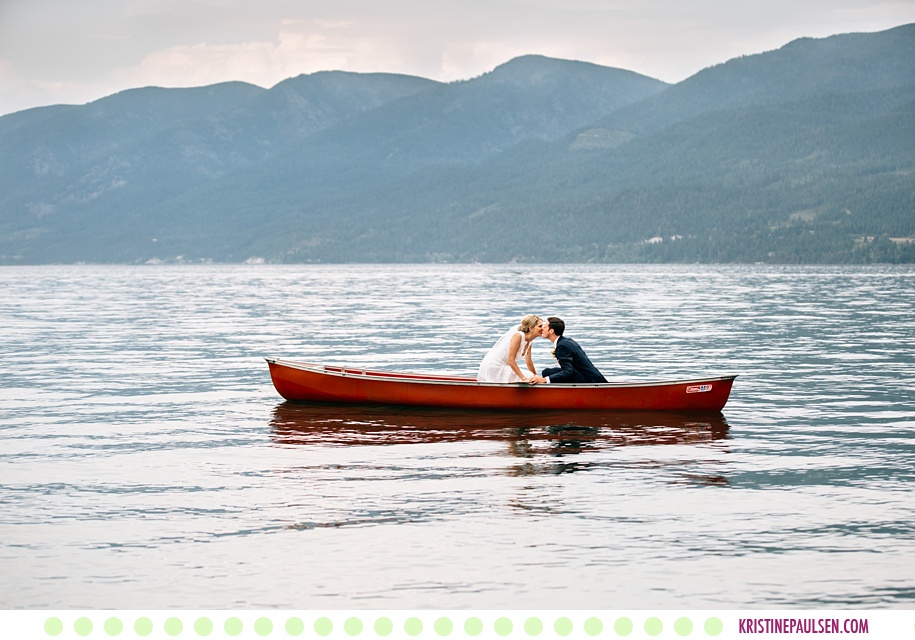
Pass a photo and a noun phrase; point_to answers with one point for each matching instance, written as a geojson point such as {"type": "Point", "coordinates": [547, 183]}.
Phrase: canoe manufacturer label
{"type": "Point", "coordinates": [699, 388]}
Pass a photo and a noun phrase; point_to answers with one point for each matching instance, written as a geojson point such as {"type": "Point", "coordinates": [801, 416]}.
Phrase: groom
{"type": "Point", "coordinates": [574, 365]}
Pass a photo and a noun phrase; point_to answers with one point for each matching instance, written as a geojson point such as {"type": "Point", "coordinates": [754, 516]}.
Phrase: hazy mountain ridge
{"type": "Point", "coordinates": [802, 68]}
{"type": "Point", "coordinates": [803, 154]}
{"type": "Point", "coordinates": [754, 183]}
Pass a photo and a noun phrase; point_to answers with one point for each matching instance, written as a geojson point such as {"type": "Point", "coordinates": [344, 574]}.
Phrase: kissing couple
{"type": "Point", "coordinates": [501, 363]}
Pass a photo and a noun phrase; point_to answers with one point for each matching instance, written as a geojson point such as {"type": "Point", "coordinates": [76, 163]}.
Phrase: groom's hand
{"type": "Point", "coordinates": [537, 379]}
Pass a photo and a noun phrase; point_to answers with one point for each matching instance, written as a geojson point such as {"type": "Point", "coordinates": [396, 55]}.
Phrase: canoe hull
{"type": "Point", "coordinates": [303, 382]}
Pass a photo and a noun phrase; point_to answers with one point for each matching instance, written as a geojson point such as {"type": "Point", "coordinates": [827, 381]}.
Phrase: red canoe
{"type": "Point", "coordinates": [299, 381]}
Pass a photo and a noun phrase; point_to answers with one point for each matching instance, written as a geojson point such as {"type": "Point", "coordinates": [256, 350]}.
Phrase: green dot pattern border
{"type": "Point", "coordinates": [381, 626]}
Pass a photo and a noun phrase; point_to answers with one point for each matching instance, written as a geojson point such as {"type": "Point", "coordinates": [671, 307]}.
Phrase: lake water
{"type": "Point", "coordinates": [146, 461]}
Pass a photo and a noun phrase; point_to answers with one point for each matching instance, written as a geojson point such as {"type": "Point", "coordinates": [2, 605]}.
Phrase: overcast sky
{"type": "Point", "coordinates": [75, 51]}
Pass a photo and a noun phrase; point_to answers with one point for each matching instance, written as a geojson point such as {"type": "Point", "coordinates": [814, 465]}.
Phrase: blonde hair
{"type": "Point", "coordinates": [528, 322]}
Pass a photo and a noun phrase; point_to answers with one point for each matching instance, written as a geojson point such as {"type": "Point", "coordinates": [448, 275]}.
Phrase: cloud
{"type": "Point", "coordinates": [18, 93]}
{"type": "Point", "coordinates": [61, 51]}
{"type": "Point", "coordinates": [442, 49]}
{"type": "Point", "coordinates": [15, 93]}
{"type": "Point", "coordinates": [299, 47]}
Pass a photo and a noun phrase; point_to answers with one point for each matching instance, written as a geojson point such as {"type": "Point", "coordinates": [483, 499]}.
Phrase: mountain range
{"type": "Point", "coordinates": [805, 154]}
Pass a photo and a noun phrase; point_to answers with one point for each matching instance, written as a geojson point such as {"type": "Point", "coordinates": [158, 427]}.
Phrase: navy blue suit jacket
{"type": "Point", "coordinates": [574, 365]}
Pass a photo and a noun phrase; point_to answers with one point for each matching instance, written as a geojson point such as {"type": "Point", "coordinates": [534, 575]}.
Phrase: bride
{"type": "Point", "coordinates": [500, 364]}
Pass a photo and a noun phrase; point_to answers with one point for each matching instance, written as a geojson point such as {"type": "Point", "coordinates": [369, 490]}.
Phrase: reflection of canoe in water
{"type": "Point", "coordinates": [329, 424]}
{"type": "Point", "coordinates": [300, 381]}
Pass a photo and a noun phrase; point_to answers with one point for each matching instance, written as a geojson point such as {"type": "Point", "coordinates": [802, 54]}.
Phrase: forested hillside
{"type": "Point", "coordinates": [799, 155]}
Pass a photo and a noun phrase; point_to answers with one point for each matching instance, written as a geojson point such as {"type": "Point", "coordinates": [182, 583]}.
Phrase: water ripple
{"type": "Point", "coordinates": [146, 460]}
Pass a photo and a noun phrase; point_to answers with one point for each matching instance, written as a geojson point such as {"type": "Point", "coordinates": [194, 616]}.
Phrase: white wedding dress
{"type": "Point", "coordinates": [494, 367]}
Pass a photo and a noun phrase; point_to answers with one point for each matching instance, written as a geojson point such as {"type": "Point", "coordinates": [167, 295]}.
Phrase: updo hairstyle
{"type": "Point", "coordinates": [528, 322]}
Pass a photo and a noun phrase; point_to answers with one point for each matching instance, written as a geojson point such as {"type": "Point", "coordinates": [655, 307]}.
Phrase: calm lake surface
{"type": "Point", "coordinates": [146, 461]}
